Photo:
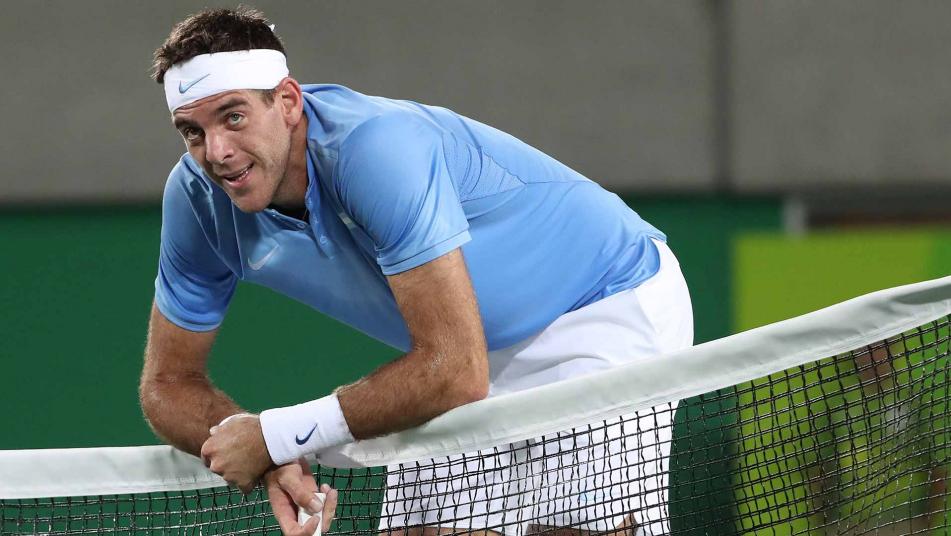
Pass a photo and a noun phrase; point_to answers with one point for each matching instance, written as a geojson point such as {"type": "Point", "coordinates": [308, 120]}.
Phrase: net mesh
{"type": "Point", "coordinates": [855, 443]}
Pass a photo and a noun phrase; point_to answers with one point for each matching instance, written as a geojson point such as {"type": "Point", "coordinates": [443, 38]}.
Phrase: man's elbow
{"type": "Point", "coordinates": [150, 400]}
{"type": "Point", "coordinates": [472, 383]}
{"type": "Point", "coordinates": [155, 393]}
{"type": "Point", "coordinates": [473, 391]}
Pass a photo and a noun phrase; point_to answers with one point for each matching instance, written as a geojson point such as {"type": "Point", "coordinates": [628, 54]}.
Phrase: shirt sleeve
{"type": "Point", "coordinates": [193, 287]}
{"type": "Point", "coordinates": [393, 180]}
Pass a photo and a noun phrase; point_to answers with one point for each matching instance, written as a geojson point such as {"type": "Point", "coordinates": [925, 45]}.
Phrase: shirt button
{"type": "Point", "coordinates": [302, 225]}
{"type": "Point", "coordinates": [323, 241]}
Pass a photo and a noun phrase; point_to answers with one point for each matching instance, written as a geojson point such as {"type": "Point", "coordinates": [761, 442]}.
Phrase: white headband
{"type": "Point", "coordinates": [210, 74]}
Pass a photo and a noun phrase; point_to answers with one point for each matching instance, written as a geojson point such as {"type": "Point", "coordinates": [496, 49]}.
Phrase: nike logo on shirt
{"type": "Point", "coordinates": [183, 86]}
{"type": "Point", "coordinates": [258, 264]}
{"type": "Point", "coordinates": [306, 437]}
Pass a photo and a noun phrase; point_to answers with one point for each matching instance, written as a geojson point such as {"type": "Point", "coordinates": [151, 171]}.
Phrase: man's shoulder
{"type": "Point", "coordinates": [393, 127]}
{"type": "Point", "coordinates": [358, 120]}
{"type": "Point", "coordinates": [191, 198]}
{"type": "Point", "coordinates": [186, 179]}
{"type": "Point", "coordinates": [185, 169]}
{"type": "Point", "coordinates": [382, 148]}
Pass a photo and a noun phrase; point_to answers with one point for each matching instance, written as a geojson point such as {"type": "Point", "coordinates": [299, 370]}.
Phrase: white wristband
{"type": "Point", "coordinates": [307, 428]}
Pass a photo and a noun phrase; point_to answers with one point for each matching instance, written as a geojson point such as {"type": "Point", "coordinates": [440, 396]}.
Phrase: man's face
{"type": "Point", "coordinates": [241, 142]}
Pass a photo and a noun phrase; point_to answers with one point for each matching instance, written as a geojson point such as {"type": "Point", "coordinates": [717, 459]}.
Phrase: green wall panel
{"type": "Point", "coordinates": [73, 318]}
{"type": "Point", "coordinates": [701, 230]}
{"type": "Point", "coordinates": [779, 277]}
{"type": "Point", "coordinates": [77, 286]}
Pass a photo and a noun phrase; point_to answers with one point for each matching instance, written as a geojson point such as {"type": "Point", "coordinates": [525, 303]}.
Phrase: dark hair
{"type": "Point", "coordinates": [211, 31]}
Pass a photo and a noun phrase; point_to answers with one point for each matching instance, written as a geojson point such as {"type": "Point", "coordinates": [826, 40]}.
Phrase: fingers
{"type": "Point", "coordinates": [283, 507]}
{"type": "Point", "coordinates": [228, 453]}
{"type": "Point", "coordinates": [291, 528]}
{"type": "Point", "coordinates": [306, 475]}
{"type": "Point", "coordinates": [285, 511]}
{"type": "Point", "coordinates": [291, 487]}
{"type": "Point", "coordinates": [330, 506]}
{"type": "Point", "coordinates": [294, 484]}
{"type": "Point", "coordinates": [205, 453]}
{"type": "Point", "coordinates": [307, 529]}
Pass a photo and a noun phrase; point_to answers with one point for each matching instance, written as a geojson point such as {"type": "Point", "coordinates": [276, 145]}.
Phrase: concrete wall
{"type": "Point", "coordinates": [617, 89]}
{"type": "Point", "coordinates": [639, 95]}
{"type": "Point", "coordinates": [853, 93]}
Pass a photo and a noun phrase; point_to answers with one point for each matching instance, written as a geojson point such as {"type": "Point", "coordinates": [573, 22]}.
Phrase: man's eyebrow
{"type": "Point", "coordinates": [181, 123]}
{"type": "Point", "coordinates": [230, 103]}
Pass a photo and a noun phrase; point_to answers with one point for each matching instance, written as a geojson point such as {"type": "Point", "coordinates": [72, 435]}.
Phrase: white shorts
{"type": "Point", "coordinates": [590, 478]}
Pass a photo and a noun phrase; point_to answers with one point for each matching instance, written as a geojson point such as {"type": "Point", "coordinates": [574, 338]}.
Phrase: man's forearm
{"type": "Point", "coordinates": [410, 391]}
{"type": "Point", "coordinates": [448, 365]}
{"type": "Point", "coordinates": [397, 396]}
{"type": "Point", "coordinates": [179, 401]}
{"type": "Point", "coordinates": [181, 409]}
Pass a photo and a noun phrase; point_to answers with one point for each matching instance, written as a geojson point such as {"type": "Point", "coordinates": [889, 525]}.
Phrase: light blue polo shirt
{"type": "Point", "coordinates": [392, 185]}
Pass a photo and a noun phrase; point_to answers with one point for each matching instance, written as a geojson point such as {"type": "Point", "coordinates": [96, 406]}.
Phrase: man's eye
{"type": "Point", "coordinates": [191, 134]}
{"type": "Point", "coordinates": [235, 118]}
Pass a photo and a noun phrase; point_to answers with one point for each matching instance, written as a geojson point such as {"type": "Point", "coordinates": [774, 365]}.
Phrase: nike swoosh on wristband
{"type": "Point", "coordinates": [306, 437]}
{"type": "Point", "coordinates": [183, 87]}
{"type": "Point", "coordinates": [258, 264]}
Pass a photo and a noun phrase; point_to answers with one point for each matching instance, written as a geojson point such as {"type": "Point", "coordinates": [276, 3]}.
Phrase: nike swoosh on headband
{"type": "Point", "coordinates": [183, 87]}
{"type": "Point", "coordinates": [306, 437]}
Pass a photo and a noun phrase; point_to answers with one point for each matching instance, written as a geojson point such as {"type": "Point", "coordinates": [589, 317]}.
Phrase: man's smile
{"type": "Point", "coordinates": [238, 177]}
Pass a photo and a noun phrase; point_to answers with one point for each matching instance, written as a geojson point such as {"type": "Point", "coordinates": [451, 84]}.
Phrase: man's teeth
{"type": "Point", "coordinates": [239, 176]}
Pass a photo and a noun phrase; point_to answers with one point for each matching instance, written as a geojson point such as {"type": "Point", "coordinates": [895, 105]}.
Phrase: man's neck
{"type": "Point", "coordinates": [295, 178]}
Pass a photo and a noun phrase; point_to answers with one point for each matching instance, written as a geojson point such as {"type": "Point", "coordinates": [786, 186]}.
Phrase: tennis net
{"type": "Point", "coordinates": [836, 422]}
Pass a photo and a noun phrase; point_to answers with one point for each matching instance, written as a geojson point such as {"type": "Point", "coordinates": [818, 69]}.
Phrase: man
{"type": "Point", "coordinates": [429, 231]}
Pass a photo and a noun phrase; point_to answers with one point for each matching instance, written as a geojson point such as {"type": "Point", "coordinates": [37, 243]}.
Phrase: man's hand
{"type": "Point", "coordinates": [236, 451]}
{"type": "Point", "coordinates": [291, 487]}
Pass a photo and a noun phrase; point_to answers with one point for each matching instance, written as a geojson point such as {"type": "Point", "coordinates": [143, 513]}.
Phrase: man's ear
{"type": "Point", "coordinates": [289, 96]}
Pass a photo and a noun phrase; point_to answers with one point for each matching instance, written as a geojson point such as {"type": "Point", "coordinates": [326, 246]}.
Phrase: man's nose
{"type": "Point", "coordinates": [217, 148]}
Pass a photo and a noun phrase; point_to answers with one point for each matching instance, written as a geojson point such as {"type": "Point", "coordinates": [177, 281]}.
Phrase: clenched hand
{"type": "Point", "coordinates": [236, 451]}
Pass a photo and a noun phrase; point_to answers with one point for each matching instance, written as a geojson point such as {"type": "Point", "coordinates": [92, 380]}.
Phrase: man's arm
{"type": "Point", "coordinates": [447, 366]}
{"type": "Point", "coordinates": [181, 405]}
{"type": "Point", "coordinates": [177, 397]}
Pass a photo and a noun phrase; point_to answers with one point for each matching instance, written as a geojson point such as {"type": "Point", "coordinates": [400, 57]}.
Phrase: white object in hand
{"type": "Point", "coordinates": [304, 517]}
